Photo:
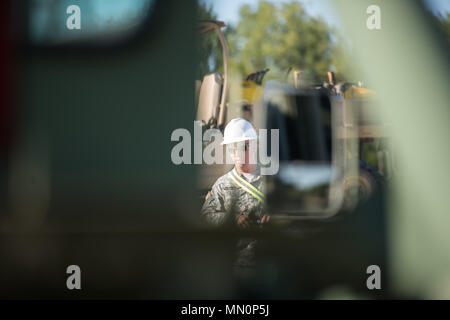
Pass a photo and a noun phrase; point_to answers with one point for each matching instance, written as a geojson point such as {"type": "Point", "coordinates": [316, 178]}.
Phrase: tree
{"type": "Point", "coordinates": [280, 37]}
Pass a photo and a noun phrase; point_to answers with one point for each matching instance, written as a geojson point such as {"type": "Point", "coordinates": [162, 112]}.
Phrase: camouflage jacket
{"type": "Point", "coordinates": [231, 196]}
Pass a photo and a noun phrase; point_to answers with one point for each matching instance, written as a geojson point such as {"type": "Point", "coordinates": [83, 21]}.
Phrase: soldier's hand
{"type": "Point", "coordinates": [243, 221]}
{"type": "Point", "coordinates": [265, 218]}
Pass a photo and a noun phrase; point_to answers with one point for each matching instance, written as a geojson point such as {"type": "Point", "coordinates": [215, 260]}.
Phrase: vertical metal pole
{"type": "Point", "coordinates": [222, 108]}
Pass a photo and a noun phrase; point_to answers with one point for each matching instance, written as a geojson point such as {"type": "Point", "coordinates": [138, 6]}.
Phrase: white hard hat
{"type": "Point", "coordinates": [238, 130]}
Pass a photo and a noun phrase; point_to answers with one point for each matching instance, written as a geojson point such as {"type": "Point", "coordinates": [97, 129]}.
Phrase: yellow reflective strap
{"type": "Point", "coordinates": [247, 189]}
{"type": "Point", "coordinates": [248, 184]}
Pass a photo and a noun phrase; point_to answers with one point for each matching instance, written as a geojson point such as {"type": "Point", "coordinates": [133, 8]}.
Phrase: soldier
{"type": "Point", "coordinates": [237, 196]}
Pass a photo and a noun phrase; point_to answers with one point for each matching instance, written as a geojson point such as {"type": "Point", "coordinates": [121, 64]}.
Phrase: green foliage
{"type": "Point", "coordinates": [283, 36]}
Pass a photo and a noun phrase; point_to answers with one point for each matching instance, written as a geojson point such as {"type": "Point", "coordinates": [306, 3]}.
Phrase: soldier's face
{"type": "Point", "coordinates": [245, 157]}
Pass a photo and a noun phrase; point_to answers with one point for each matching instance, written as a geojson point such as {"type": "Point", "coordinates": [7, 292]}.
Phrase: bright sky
{"type": "Point", "coordinates": [438, 6]}
{"type": "Point", "coordinates": [228, 10]}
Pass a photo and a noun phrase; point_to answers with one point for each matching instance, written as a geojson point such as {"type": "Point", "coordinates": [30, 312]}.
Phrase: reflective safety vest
{"type": "Point", "coordinates": [246, 186]}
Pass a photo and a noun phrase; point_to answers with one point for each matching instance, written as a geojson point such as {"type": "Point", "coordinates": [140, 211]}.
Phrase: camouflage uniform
{"type": "Point", "coordinates": [227, 201]}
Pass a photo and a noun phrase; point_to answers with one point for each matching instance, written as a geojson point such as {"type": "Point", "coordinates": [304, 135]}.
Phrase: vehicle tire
{"type": "Point", "coordinates": [360, 188]}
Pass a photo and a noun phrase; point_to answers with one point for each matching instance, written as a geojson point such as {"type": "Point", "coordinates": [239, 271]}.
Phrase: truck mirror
{"type": "Point", "coordinates": [307, 183]}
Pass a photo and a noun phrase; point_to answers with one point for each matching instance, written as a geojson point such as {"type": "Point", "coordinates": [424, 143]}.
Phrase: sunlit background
{"type": "Point", "coordinates": [299, 34]}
